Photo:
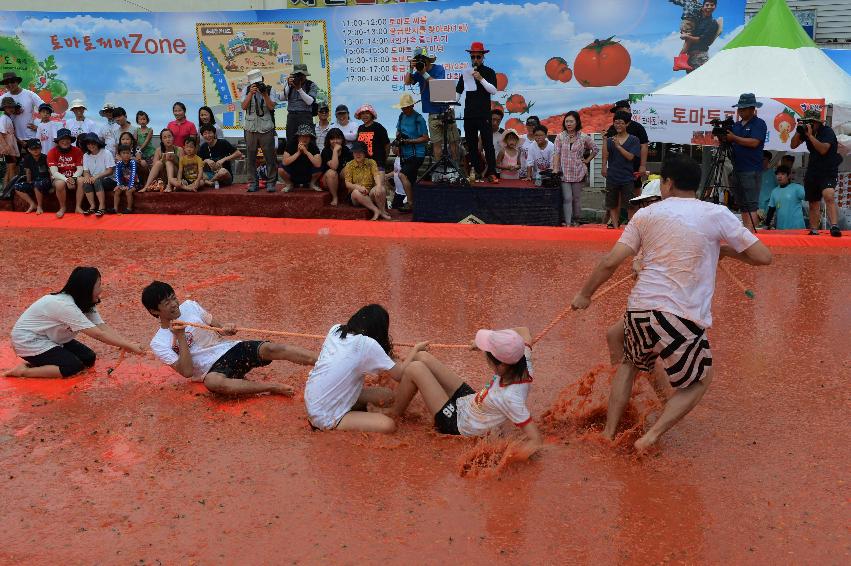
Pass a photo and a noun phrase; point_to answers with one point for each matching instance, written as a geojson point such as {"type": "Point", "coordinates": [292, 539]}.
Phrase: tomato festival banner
{"type": "Point", "coordinates": [688, 119]}
{"type": "Point", "coordinates": [550, 56]}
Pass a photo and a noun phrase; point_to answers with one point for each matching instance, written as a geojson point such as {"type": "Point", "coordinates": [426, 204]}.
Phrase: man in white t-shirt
{"type": "Point", "coordinates": [669, 309]}
{"type": "Point", "coordinates": [204, 355]}
{"type": "Point", "coordinates": [539, 156]}
{"type": "Point", "coordinates": [29, 101]}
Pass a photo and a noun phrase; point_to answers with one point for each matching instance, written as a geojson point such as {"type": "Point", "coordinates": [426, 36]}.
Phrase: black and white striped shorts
{"type": "Point", "coordinates": [680, 343]}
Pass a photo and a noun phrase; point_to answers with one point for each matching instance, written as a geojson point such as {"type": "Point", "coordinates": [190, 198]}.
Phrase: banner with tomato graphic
{"type": "Point", "coordinates": [687, 119]}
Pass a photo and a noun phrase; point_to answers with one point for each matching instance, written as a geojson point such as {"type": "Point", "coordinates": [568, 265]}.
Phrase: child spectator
{"type": "Point", "coordinates": [206, 118]}
{"type": "Point", "coordinates": [144, 138]}
{"type": "Point", "coordinates": [189, 173]}
{"type": "Point", "coordinates": [66, 167]}
{"type": "Point", "coordinates": [508, 158]}
{"type": "Point", "coordinates": [125, 179]}
{"type": "Point", "coordinates": [98, 167]}
{"type": "Point", "coordinates": [302, 161]}
{"type": "Point", "coordinates": [129, 139]}
{"type": "Point", "coordinates": [46, 129]}
{"type": "Point", "coordinates": [262, 174]}
{"type": "Point", "coordinates": [787, 201]}
{"type": "Point", "coordinates": [112, 132]}
{"type": "Point", "coordinates": [335, 155]}
{"type": "Point", "coordinates": [540, 155]}
{"type": "Point", "coordinates": [8, 142]}
{"type": "Point", "coordinates": [37, 177]}
{"type": "Point", "coordinates": [217, 155]}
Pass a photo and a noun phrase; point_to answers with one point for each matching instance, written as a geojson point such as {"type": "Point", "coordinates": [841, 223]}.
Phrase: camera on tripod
{"type": "Point", "coordinates": [721, 127]}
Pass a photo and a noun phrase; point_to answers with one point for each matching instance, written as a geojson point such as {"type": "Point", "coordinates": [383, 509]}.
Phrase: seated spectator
{"type": "Point", "coordinates": [217, 156]}
{"type": "Point", "coordinates": [180, 127]}
{"type": "Point", "coordinates": [8, 142]}
{"type": "Point", "coordinates": [80, 125]}
{"type": "Point", "coordinates": [262, 173]}
{"type": "Point", "coordinates": [412, 137]}
{"type": "Point", "coordinates": [345, 125]}
{"type": "Point", "coordinates": [129, 139]}
{"type": "Point", "coordinates": [334, 156]}
{"type": "Point", "coordinates": [98, 168]}
{"type": "Point", "coordinates": [66, 167]}
{"type": "Point", "coordinates": [365, 183]}
{"type": "Point", "coordinates": [125, 180]}
{"type": "Point", "coordinates": [509, 157]}
{"type": "Point", "coordinates": [301, 161]}
{"type": "Point", "coordinates": [324, 125]}
{"type": "Point", "coordinates": [116, 126]}
{"type": "Point", "coordinates": [36, 181]}
{"type": "Point", "coordinates": [163, 175]}
{"type": "Point", "coordinates": [788, 202]}
{"type": "Point", "coordinates": [206, 118]}
{"type": "Point", "coordinates": [145, 139]}
{"type": "Point", "coordinates": [619, 151]}
{"type": "Point", "coordinates": [190, 169]}
{"type": "Point", "coordinates": [540, 155]}
{"type": "Point", "coordinates": [46, 129]}
{"type": "Point", "coordinates": [373, 135]}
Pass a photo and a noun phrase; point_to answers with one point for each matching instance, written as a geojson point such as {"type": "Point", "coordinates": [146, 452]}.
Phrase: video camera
{"type": "Point", "coordinates": [721, 127]}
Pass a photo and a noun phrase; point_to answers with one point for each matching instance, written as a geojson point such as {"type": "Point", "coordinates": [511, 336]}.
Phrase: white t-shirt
{"type": "Point", "coordinates": [51, 321]}
{"type": "Point", "coordinates": [111, 132]}
{"type": "Point", "coordinates": [681, 241]}
{"type": "Point", "coordinates": [46, 133]}
{"type": "Point", "coordinates": [336, 381]}
{"type": "Point", "coordinates": [205, 346]}
{"type": "Point", "coordinates": [350, 132]}
{"type": "Point", "coordinates": [97, 164]}
{"type": "Point", "coordinates": [29, 102]}
{"type": "Point", "coordinates": [87, 126]}
{"type": "Point", "coordinates": [495, 404]}
{"type": "Point", "coordinates": [540, 159]}
{"type": "Point", "coordinates": [526, 144]}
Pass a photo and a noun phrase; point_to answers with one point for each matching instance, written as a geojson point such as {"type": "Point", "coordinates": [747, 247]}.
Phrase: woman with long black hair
{"type": "Point", "coordinates": [44, 335]}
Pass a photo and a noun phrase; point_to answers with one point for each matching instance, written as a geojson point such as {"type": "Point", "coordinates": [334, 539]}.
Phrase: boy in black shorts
{"type": "Point", "coordinates": [203, 355]}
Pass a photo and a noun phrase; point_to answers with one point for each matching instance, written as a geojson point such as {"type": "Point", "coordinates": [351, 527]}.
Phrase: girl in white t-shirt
{"type": "Point", "coordinates": [335, 396]}
{"type": "Point", "coordinates": [458, 409]}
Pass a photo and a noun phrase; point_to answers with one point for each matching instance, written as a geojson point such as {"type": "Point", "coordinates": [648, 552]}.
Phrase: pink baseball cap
{"type": "Point", "coordinates": [506, 345]}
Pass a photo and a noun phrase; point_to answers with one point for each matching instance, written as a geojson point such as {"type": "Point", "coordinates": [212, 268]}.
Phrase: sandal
{"type": "Point", "coordinates": [99, 212]}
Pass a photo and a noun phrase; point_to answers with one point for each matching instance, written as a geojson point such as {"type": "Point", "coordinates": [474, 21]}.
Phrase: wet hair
{"type": "Point", "coordinates": [783, 169]}
{"type": "Point", "coordinates": [176, 104]}
{"type": "Point", "coordinates": [576, 117]}
{"type": "Point", "coordinates": [81, 286]}
{"type": "Point", "coordinates": [154, 294]}
{"type": "Point", "coordinates": [208, 128]}
{"type": "Point", "coordinates": [332, 134]}
{"type": "Point", "coordinates": [192, 140]}
{"type": "Point", "coordinates": [513, 373]}
{"type": "Point", "coordinates": [373, 321]}
{"type": "Point", "coordinates": [683, 171]}
{"type": "Point", "coordinates": [767, 155]}
{"type": "Point", "coordinates": [539, 128]}
{"type": "Point", "coordinates": [162, 145]}
{"type": "Point", "coordinates": [141, 113]}
{"type": "Point", "coordinates": [621, 115]}
{"type": "Point", "coordinates": [208, 109]}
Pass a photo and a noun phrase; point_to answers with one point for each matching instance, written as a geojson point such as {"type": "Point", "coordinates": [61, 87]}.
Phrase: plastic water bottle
{"type": "Point", "coordinates": [216, 185]}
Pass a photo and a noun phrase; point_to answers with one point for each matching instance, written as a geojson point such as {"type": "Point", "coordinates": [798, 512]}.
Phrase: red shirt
{"type": "Point", "coordinates": [68, 162]}
{"type": "Point", "coordinates": [182, 131]}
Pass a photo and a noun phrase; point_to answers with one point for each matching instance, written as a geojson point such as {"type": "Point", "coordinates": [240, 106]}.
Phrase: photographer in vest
{"type": "Point", "coordinates": [300, 94]}
{"type": "Point", "coordinates": [259, 126]}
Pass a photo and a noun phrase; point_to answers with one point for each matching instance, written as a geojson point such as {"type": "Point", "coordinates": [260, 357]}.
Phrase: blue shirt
{"type": "Point", "coordinates": [769, 181]}
{"type": "Point", "coordinates": [413, 126]}
{"type": "Point", "coordinates": [749, 158]}
{"type": "Point", "coordinates": [789, 202]}
{"type": "Point", "coordinates": [436, 72]}
{"type": "Point", "coordinates": [618, 169]}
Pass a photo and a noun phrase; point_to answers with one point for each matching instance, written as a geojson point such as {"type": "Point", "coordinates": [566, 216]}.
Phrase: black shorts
{"type": "Point", "coordinates": [446, 419]}
{"type": "Point", "coordinates": [71, 357]}
{"type": "Point", "coordinates": [619, 192]}
{"type": "Point", "coordinates": [410, 167]}
{"type": "Point", "coordinates": [814, 185]}
{"type": "Point", "coordinates": [239, 360]}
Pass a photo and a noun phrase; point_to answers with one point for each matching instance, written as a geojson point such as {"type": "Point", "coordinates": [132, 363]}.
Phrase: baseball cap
{"type": "Point", "coordinates": [341, 108]}
{"type": "Point", "coordinates": [619, 104]}
{"type": "Point", "coordinates": [505, 345]}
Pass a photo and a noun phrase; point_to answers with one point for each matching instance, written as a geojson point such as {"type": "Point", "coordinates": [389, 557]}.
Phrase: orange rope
{"type": "Point", "coordinates": [748, 293]}
{"type": "Point", "coordinates": [121, 354]}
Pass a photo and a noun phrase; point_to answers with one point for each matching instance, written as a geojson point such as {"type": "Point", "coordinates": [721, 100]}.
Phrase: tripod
{"type": "Point", "coordinates": [717, 190]}
{"type": "Point", "coordinates": [444, 169]}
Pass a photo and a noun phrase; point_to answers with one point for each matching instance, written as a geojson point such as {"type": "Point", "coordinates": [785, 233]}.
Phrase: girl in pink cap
{"type": "Point", "coordinates": [457, 408]}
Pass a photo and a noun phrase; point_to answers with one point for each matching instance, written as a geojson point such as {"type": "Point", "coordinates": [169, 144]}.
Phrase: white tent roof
{"type": "Point", "coordinates": [773, 58]}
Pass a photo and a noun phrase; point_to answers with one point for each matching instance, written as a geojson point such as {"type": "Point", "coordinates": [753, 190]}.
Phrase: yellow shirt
{"type": "Point", "coordinates": [191, 167]}
{"type": "Point", "coordinates": [361, 173]}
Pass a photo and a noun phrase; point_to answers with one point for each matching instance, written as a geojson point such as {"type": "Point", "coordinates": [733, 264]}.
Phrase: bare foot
{"type": "Point", "coordinates": [60, 213]}
{"type": "Point", "coordinates": [607, 436]}
{"type": "Point", "coordinates": [375, 216]}
{"type": "Point", "coordinates": [29, 210]}
{"type": "Point", "coordinates": [333, 202]}
{"type": "Point", "coordinates": [39, 211]}
{"type": "Point", "coordinates": [79, 211]}
{"type": "Point", "coordinates": [281, 389]}
{"type": "Point", "coordinates": [642, 444]}
{"type": "Point", "coordinates": [16, 371]}
{"type": "Point", "coordinates": [386, 216]}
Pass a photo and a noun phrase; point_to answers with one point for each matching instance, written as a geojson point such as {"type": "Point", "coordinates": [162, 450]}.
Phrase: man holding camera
{"type": "Point", "coordinates": [747, 138]}
{"type": "Point", "coordinates": [422, 70]}
{"type": "Point", "coordinates": [477, 110]}
{"type": "Point", "coordinates": [259, 126]}
{"type": "Point", "coordinates": [822, 169]}
{"type": "Point", "coordinates": [300, 94]}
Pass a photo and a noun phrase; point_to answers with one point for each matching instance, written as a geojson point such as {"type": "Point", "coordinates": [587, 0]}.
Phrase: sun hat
{"type": "Point", "coordinates": [366, 108]}
{"type": "Point", "coordinates": [506, 345]}
{"type": "Point", "coordinates": [650, 190]}
{"type": "Point", "coordinates": [422, 54]}
{"type": "Point", "coordinates": [300, 68]}
{"type": "Point", "coordinates": [477, 47]}
{"type": "Point", "coordinates": [10, 76]}
{"type": "Point", "coordinates": [254, 76]}
{"type": "Point", "coordinates": [620, 104]}
{"type": "Point", "coordinates": [305, 130]}
{"type": "Point", "coordinates": [7, 101]}
{"type": "Point", "coordinates": [510, 131]}
{"type": "Point", "coordinates": [33, 143]}
{"type": "Point", "coordinates": [107, 106]}
{"type": "Point", "coordinates": [62, 134]}
{"type": "Point", "coordinates": [77, 103]}
{"type": "Point", "coordinates": [748, 100]}
{"type": "Point", "coordinates": [45, 106]}
{"type": "Point", "coordinates": [359, 146]}
{"type": "Point", "coordinates": [405, 101]}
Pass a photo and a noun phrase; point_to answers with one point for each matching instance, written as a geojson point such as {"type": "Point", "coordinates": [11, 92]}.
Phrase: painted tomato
{"type": "Point", "coordinates": [784, 123]}
{"type": "Point", "coordinates": [60, 105]}
{"type": "Point", "coordinates": [517, 125]}
{"type": "Point", "coordinates": [45, 95]}
{"type": "Point", "coordinates": [501, 81]}
{"type": "Point", "coordinates": [602, 63]}
{"type": "Point", "coordinates": [557, 70]}
{"type": "Point", "coordinates": [516, 104]}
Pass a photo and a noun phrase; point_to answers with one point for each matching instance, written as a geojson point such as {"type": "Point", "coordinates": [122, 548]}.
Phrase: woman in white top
{"type": "Point", "coordinates": [335, 396]}
{"type": "Point", "coordinates": [44, 335]}
{"type": "Point", "coordinates": [456, 406]}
